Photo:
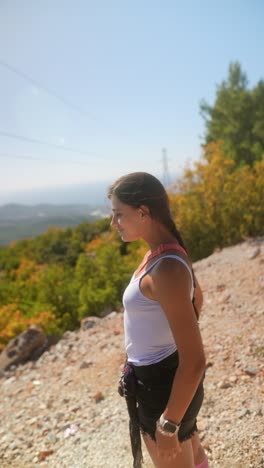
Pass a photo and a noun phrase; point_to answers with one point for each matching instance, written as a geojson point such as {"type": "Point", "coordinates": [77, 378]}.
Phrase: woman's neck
{"type": "Point", "coordinates": [157, 236]}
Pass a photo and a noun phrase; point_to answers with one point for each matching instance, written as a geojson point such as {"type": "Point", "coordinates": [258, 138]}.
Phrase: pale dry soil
{"type": "Point", "coordinates": [73, 385]}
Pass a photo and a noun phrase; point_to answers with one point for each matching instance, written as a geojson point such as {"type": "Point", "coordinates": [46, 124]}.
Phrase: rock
{"type": "Point", "coordinates": [89, 322]}
{"type": "Point", "coordinates": [52, 438]}
{"type": "Point", "coordinates": [224, 297]}
{"type": "Point", "coordinates": [244, 412]}
{"type": "Point", "coordinates": [44, 454]}
{"type": "Point", "coordinates": [22, 347]}
{"type": "Point", "coordinates": [258, 411]}
{"type": "Point", "coordinates": [250, 371]}
{"type": "Point", "coordinates": [85, 364]}
{"type": "Point", "coordinates": [98, 397]}
{"type": "Point", "coordinates": [111, 315]}
{"type": "Point", "coordinates": [224, 384]}
{"type": "Point", "coordinates": [209, 364]}
{"type": "Point", "coordinates": [253, 253]}
{"type": "Point", "coordinates": [233, 379]}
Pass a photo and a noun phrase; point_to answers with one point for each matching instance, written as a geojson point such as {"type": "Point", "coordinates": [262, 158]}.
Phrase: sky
{"type": "Point", "coordinates": [94, 90]}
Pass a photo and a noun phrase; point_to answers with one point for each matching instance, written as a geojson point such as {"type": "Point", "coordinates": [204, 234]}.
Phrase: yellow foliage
{"type": "Point", "coordinates": [28, 269]}
{"type": "Point", "coordinates": [216, 203]}
{"type": "Point", "coordinates": [105, 238]}
{"type": "Point", "coordinates": [13, 322]}
{"type": "Point", "coordinates": [94, 245]}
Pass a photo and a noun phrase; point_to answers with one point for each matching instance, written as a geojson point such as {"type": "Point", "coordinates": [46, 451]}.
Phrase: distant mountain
{"type": "Point", "coordinates": [92, 193]}
{"type": "Point", "coordinates": [23, 221]}
{"type": "Point", "coordinates": [30, 212]}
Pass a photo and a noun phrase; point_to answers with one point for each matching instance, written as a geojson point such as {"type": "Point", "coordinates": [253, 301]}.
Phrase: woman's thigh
{"type": "Point", "coordinates": [184, 459]}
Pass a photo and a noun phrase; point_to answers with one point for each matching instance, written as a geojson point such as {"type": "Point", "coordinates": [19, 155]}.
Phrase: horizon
{"type": "Point", "coordinates": [96, 188]}
{"type": "Point", "coordinates": [42, 195]}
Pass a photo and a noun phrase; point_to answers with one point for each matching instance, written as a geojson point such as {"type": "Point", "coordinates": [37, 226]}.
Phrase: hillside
{"type": "Point", "coordinates": [64, 410]}
{"type": "Point", "coordinates": [24, 221]}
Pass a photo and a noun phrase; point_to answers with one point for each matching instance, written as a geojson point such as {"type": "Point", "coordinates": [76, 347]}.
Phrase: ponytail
{"type": "Point", "coordinates": [170, 224]}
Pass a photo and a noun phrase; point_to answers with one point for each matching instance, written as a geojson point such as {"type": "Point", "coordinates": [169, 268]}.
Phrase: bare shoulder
{"type": "Point", "coordinates": [170, 273]}
{"type": "Point", "coordinates": [172, 265]}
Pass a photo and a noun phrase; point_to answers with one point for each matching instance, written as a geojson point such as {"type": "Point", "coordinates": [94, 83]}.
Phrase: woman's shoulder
{"type": "Point", "coordinates": [171, 263]}
{"type": "Point", "coordinates": [174, 257]}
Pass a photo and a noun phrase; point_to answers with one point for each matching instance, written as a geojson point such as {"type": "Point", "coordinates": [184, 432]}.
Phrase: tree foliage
{"type": "Point", "coordinates": [56, 279]}
{"type": "Point", "coordinates": [237, 117]}
{"type": "Point", "coordinates": [217, 204]}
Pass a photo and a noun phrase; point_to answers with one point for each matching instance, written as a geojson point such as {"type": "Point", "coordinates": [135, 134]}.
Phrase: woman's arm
{"type": "Point", "coordinates": [171, 285]}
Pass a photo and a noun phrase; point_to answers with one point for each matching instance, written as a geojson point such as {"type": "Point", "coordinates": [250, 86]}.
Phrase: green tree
{"type": "Point", "coordinates": [56, 292]}
{"type": "Point", "coordinates": [101, 275]}
{"type": "Point", "coordinates": [237, 118]}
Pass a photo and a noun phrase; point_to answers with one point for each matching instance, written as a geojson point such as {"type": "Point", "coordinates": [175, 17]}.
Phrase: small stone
{"type": "Point", "coordinates": [77, 440]}
{"type": "Point", "coordinates": [224, 298]}
{"type": "Point", "coordinates": [59, 416]}
{"type": "Point", "coordinates": [85, 364]}
{"type": "Point", "coordinates": [49, 404]}
{"type": "Point", "coordinates": [208, 364]}
{"type": "Point", "coordinates": [10, 381]}
{"type": "Point", "coordinates": [52, 438]}
{"type": "Point", "coordinates": [254, 253]}
{"type": "Point", "coordinates": [244, 412]}
{"type": "Point", "coordinates": [36, 382]}
{"type": "Point", "coordinates": [32, 421]}
{"type": "Point", "coordinates": [75, 409]}
{"type": "Point", "coordinates": [98, 397]}
{"type": "Point", "coordinates": [44, 454]}
{"type": "Point", "coordinates": [233, 378]}
{"type": "Point", "coordinates": [89, 322]}
{"type": "Point", "coordinates": [258, 411]}
{"type": "Point", "coordinates": [223, 384]}
{"type": "Point", "coordinates": [12, 446]}
{"type": "Point", "coordinates": [251, 371]}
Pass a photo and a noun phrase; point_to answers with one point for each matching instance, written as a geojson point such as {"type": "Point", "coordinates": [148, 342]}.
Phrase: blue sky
{"type": "Point", "coordinates": [115, 82]}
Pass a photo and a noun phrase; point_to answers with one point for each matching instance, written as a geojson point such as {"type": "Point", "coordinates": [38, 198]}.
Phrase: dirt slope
{"type": "Point", "coordinates": [64, 411]}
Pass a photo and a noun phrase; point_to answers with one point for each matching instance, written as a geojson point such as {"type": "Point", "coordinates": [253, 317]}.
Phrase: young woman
{"type": "Point", "coordinates": [163, 376]}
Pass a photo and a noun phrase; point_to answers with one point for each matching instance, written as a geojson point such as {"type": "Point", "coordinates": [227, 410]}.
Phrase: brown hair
{"type": "Point", "coordinates": [140, 188]}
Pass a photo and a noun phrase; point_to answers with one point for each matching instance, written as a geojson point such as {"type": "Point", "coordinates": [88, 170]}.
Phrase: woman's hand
{"type": "Point", "coordinates": [168, 445]}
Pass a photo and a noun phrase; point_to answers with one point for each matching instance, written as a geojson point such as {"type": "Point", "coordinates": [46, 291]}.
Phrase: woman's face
{"type": "Point", "coordinates": [127, 220]}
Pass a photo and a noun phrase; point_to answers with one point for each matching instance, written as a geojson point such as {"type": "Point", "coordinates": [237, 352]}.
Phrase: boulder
{"type": "Point", "coordinates": [23, 347]}
{"type": "Point", "coordinates": [89, 322]}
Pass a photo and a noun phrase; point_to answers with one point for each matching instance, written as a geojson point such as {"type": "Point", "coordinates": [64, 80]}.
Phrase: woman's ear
{"type": "Point", "coordinates": [144, 211]}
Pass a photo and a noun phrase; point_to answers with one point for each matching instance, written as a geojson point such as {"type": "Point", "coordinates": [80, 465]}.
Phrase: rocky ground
{"type": "Point", "coordinates": [64, 411]}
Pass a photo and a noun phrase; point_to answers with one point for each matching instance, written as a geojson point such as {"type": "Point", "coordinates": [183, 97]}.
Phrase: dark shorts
{"type": "Point", "coordinates": [154, 384]}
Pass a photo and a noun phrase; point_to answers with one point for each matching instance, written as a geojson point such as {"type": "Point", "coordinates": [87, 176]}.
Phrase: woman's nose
{"type": "Point", "coordinates": [113, 221]}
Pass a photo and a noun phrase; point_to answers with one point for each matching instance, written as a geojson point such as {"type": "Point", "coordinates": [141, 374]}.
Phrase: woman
{"type": "Point", "coordinates": [165, 365]}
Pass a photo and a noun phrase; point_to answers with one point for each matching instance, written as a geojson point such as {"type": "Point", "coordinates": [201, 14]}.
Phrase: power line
{"type": "Point", "coordinates": [26, 77]}
{"type": "Point", "coordinates": [53, 161]}
{"type": "Point", "coordinates": [46, 143]}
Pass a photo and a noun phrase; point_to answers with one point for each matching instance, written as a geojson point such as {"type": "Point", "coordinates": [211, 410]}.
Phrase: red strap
{"type": "Point", "coordinates": [162, 248]}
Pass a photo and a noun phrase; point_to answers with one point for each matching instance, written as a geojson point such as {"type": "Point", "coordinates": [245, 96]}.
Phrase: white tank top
{"type": "Point", "coordinates": [148, 337]}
